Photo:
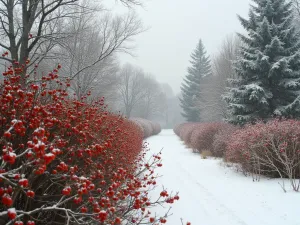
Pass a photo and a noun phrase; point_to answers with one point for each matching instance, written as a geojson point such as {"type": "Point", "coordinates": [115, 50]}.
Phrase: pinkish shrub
{"type": "Point", "coordinates": [186, 132]}
{"type": "Point", "coordinates": [177, 129]}
{"type": "Point", "coordinates": [203, 136]}
{"type": "Point", "coordinates": [221, 139]}
{"type": "Point", "coordinates": [183, 127]}
{"type": "Point", "coordinates": [271, 149]}
{"type": "Point", "coordinates": [148, 127]}
{"type": "Point", "coordinates": [156, 128]}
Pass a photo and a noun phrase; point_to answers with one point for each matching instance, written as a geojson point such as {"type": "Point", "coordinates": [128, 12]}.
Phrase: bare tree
{"type": "Point", "coordinates": [211, 104]}
{"type": "Point", "coordinates": [140, 95]}
{"type": "Point", "coordinates": [89, 56]}
{"type": "Point", "coordinates": [130, 88]}
{"type": "Point", "coordinates": [106, 35]}
{"type": "Point", "coordinates": [153, 99]}
{"type": "Point", "coordinates": [28, 26]}
{"type": "Point", "coordinates": [30, 29]}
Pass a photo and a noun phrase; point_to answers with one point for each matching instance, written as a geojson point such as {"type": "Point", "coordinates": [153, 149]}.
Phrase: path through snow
{"type": "Point", "coordinates": [212, 194]}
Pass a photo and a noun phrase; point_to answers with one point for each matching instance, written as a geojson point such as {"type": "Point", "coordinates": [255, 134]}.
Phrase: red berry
{"type": "Point", "coordinates": [7, 134]}
{"type": "Point", "coordinates": [66, 191]}
{"type": "Point", "coordinates": [162, 220]}
{"type": "Point", "coordinates": [18, 223]}
{"type": "Point", "coordinates": [30, 222]}
{"type": "Point", "coordinates": [97, 209]}
{"type": "Point", "coordinates": [91, 187]}
{"type": "Point", "coordinates": [49, 158]}
{"type": "Point", "coordinates": [77, 200]}
{"type": "Point", "coordinates": [84, 209]}
{"type": "Point", "coordinates": [117, 220]}
{"type": "Point", "coordinates": [10, 157]}
{"type": "Point", "coordinates": [30, 194]}
{"type": "Point", "coordinates": [23, 182]}
{"type": "Point", "coordinates": [6, 200]}
{"type": "Point", "coordinates": [11, 213]}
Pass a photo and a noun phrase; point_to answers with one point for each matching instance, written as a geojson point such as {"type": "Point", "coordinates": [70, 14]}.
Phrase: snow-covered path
{"type": "Point", "coordinates": [212, 194]}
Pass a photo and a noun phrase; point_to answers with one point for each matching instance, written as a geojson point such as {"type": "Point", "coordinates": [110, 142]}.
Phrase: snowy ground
{"type": "Point", "coordinates": [212, 194]}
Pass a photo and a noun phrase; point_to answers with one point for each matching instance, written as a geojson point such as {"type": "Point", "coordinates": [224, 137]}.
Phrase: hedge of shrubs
{"type": "Point", "coordinates": [201, 136]}
{"type": "Point", "coordinates": [68, 161]}
{"type": "Point", "coordinates": [271, 149]}
{"type": "Point", "coordinates": [149, 128]}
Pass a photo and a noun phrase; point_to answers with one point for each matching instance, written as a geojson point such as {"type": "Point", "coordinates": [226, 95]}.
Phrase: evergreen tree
{"type": "Point", "coordinates": [268, 68]}
{"type": "Point", "coordinates": [190, 88]}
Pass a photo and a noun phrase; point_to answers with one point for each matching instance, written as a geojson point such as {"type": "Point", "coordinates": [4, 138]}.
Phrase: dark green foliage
{"type": "Point", "coordinates": [268, 69]}
{"type": "Point", "coordinates": [190, 88]}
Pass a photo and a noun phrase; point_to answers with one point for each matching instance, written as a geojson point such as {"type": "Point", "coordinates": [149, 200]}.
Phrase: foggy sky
{"type": "Point", "coordinates": [175, 28]}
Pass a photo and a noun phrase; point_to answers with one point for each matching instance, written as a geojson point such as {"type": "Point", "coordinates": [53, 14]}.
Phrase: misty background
{"type": "Point", "coordinates": [136, 54]}
{"type": "Point", "coordinates": [174, 31]}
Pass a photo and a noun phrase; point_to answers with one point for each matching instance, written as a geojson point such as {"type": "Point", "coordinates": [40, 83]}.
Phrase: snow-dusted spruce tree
{"type": "Point", "coordinates": [190, 88]}
{"type": "Point", "coordinates": [268, 68]}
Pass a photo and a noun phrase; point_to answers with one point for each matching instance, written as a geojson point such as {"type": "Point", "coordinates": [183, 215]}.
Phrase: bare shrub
{"type": "Point", "coordinates": [270, 149]}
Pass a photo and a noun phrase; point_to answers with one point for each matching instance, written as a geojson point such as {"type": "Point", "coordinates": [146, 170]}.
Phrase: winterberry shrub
{"type": "Point", "coordinates": [69, 161]}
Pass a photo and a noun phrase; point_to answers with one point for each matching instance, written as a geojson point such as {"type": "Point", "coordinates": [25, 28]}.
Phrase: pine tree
{"type": "Point", "coordinates": [268, 68]}
{"type": "Point", "coordinates": [190, 88]}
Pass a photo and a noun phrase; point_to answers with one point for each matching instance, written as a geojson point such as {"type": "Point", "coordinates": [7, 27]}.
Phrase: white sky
{"type": "Point", "coordinates": [175, 28]}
